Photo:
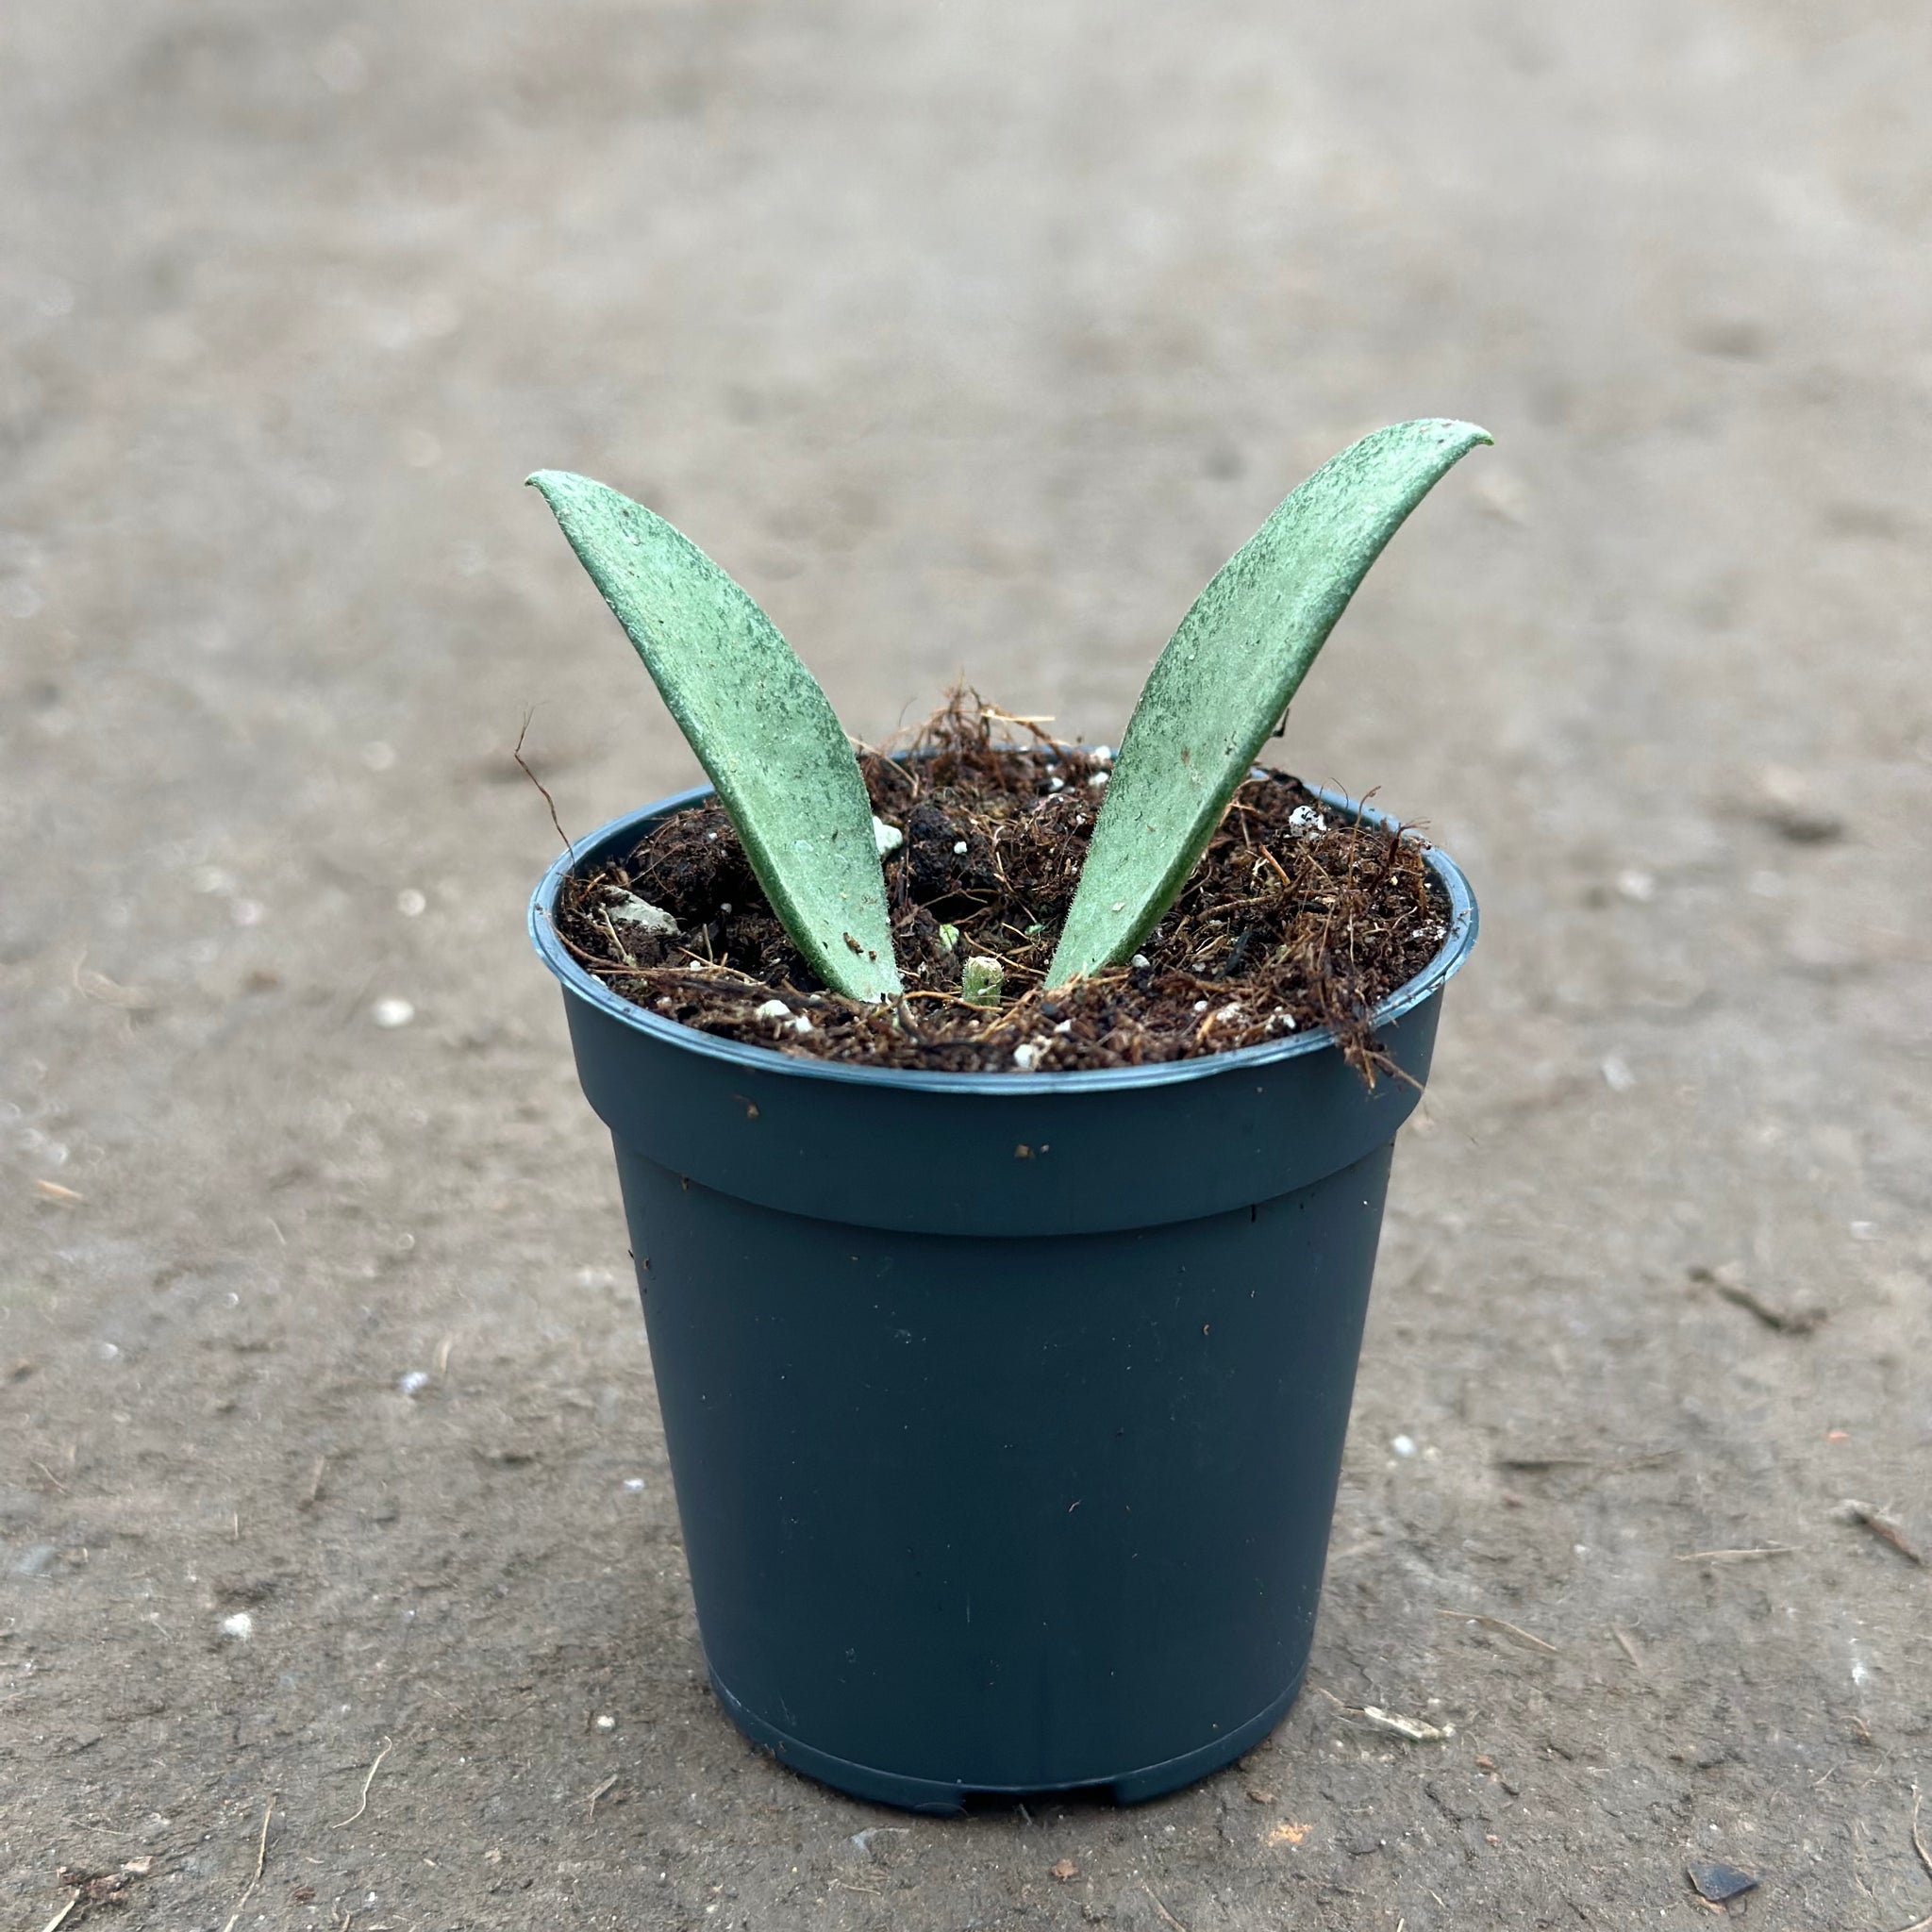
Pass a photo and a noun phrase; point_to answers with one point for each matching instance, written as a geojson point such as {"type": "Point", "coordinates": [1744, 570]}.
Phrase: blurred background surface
{"type": "Point", "coordinates": [972, 339]}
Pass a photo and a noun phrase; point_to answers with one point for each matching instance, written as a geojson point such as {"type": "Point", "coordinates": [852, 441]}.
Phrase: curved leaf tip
{"type": "Point", "coordinates": [1228, 672]}
{"type": "Point", "coordinates": [762, 728]}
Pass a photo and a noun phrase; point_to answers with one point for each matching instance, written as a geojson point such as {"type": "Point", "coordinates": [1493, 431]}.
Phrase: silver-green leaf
{"type": "Point", "coordinates": [1226, 676]}
{"type": "Point", "coordinates": [765, 733]}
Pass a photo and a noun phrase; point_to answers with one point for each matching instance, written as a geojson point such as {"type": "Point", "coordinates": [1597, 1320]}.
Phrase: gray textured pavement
{"type": "Point", "coordinates": [971, 338]}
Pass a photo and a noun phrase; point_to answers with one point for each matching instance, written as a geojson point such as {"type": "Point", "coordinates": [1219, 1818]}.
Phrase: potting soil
{"type": "Point", "coordinates": [1296, 917]}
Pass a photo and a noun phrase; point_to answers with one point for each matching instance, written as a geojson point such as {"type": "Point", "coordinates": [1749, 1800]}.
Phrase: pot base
{"type": "Point", "coordinates": [936, 1798]}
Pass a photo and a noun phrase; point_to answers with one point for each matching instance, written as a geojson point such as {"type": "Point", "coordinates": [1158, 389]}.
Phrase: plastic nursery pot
{"type": "Point", "coordinates": [1005, 1411]}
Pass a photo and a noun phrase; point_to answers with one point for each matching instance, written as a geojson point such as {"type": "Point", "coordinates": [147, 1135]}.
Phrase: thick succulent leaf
{"type": "Point", "coordinates": [1226, 676]}
{"type": "Point", "coordinates": [763, 730]}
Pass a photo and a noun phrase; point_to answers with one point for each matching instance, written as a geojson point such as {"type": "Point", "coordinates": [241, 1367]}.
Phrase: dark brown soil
{"type": "Point", "coordinates": [1294, 918]}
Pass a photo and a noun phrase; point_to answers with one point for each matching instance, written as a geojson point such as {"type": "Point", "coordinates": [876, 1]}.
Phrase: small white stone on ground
{"type": "Point", "coordinates": [1099, 778]}
{"type": "Point", "coordinates": [414, 1382]}
{"type": "Point", "coordinates": [889, 838]}
{"type": "Point", "coordinates": [959, 847]}
{"type": "Point", "coordinates": [1414, 1729]}
{"type": "Point", "coordinates": [240, 1626]}
{"type": "Point", "coordinates": [391, 1013]}
{"type": "Point", "coordinates": [606, 1724]}
{"type": "Point", "coordinates": [1617, 1074]}
{"type": "Point", "coordinates": [1404, 1446]}
{"type": "Point", "coordinates": [635, 1483]}
{"type": "Point", "coordinates": [1138, 962]}
{"type": "Point", "coordinates": [1029, 1053]}
{"type": "Point", "coordinates": [410, 903]}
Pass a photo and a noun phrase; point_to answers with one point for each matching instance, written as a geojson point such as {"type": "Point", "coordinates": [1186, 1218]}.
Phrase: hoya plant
{"type": "Point", "coordinates": [787, 774]}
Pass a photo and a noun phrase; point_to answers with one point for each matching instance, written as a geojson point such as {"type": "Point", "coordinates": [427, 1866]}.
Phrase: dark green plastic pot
{"type": "Point", "coordinates": [1005, 1411]}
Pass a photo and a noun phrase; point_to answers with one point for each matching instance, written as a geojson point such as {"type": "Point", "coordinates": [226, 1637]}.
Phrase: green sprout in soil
{"type": "Point", "coordinates": [786, 774]}
{"type": "Point", "coordinates": [981, 982]}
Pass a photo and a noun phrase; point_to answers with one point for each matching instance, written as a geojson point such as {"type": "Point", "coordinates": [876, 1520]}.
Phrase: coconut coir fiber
{"type": "Point", "coordinates": [1294, 918]}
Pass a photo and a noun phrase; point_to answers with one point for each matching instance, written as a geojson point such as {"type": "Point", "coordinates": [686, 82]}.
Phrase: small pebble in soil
{"type": "Point", "coordinates": [889, 838]}
{"type": "Point", "coordinates": [390, 1014]}
{"type": "Point", "coordinates": [782, 1015]}
{"type": "Point", "coordinates": [606, 1724]}
{"type": "Point", "coordinates": [413, 1383]}
{"type": "Point", "coordinates": [628, 909]}
{"type": "Point", "coordinates": [240, 1626]}
{"type": "Point", "coordinates": [1403, 1445]}
{"type": "Point", "coordinates": [635, 1483]}
{"type": "Point", "coordinates": [1028, 1056]}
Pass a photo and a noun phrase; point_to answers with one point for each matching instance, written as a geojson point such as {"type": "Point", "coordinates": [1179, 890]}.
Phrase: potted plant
{"type": "Point", "coordinates": [1004, 1387]}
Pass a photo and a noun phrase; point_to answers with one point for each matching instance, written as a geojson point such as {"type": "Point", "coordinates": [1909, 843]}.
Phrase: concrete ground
{"type": "Point", "coordinates": [970, 337]}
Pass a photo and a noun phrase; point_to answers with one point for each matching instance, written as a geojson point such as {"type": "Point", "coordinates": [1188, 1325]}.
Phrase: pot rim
{"type": "Point", "coordinates": [575, 980]}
